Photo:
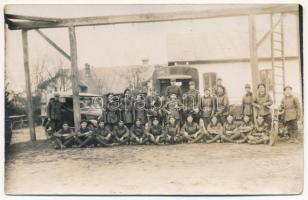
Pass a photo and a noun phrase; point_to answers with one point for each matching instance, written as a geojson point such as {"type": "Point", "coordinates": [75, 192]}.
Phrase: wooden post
{"type": "Point", "coordinates": [28, 84]}
{"type": "Point", "coordinates": [74, 77]}
{"type": "Point", "coordinates": [253, 53]}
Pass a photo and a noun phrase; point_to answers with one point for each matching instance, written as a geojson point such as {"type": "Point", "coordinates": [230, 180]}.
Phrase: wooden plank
{"type": "Point", "coordinates": [270, 31]}
{"type": "Point", "coordinates": [52, 43]}
{"type": "Point", "coordinates": [253, 53]}
{"type": "Point", "coordinates": [74, 77]}
{"type": "Point", "coordinates": [158, 17]}
{"type": "Point", "coordinates": [231, 60]}
{"type": "Point", "coordinates": [28, 85]}
{"type": "Point", "coordinates": [32, 18]}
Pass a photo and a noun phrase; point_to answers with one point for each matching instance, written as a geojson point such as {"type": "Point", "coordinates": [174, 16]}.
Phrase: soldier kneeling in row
{"type": "Point", "coordinates": [215, 130]}
{"type": "Point", "coordinates": [154, 132]}
{"type": "Point", "coordinates": [230, 132]}
{"type": "Point", "coordinates": [137, 135]}
{"type": "Point", "coordinates": [190, 130]}
{"type": "Point", "coordinates": [64, 137]}
{"type": "Point", "coordinates": [245, 129]}
{"type": "Point", "coordinates": [260, 134]}
{"type": "Point", "coordinates": [121, 133]}
{"type": "Point", "coordinates": [172, 131]}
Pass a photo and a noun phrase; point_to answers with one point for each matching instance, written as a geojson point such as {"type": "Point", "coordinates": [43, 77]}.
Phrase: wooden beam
{"type": "Point", "coordinates": [226, 61]}
{"type": "Point", "coordinates": [74, 77]}
{"type": "Point", "coordinates": [28, 85]}
{"type": "Point", "coordinates": [253, 53]}
{"type": "Point", "coordinates": [32, 18]}
{"type": "Point", "coordinates": [53, 44]}
{"type": "Point", "coordinates": [158, 17]}
{"type": "Point", "coordinates": [270, 31]}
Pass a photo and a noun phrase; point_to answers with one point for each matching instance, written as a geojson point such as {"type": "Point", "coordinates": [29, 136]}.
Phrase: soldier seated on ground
{"type": "Point", "coordinates": [121, 133]}
{"type": "Point", "coordinates": [172, 132]}
{"type": "Point", "coordinates": [154, 132]}
{"type": "Point", "coordinates": [230, 132]}
{"type": "Point", "coordinates": [204, 134]}
{"type": "Point", "coordinates": [137, 135]}
{"type": "Point", "coordinates": [190, 130]}
{"type": "Point", "coordinates": [215, 130]}
{"type": "Point", "coordinates": [245, 129]}
{"type": "Point", "coordinates": [62, 137]}
{"type": "Point", "coordinates": [84, 133]}
{"type": "Point", "coordinates": [260, 134]}
{"type": "Point", "coordinates": [102, 136]}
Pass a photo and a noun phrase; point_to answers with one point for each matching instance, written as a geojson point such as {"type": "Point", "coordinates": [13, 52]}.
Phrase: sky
{"type": "Point", "coordinates": [127, 44]}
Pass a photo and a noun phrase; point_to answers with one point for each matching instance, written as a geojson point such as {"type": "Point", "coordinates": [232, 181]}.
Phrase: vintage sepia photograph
{"type": "Point", "coordinates": [153, 99]}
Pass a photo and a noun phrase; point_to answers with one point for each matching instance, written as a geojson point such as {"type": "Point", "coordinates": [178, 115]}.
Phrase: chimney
{"type": "Point", "coordinates": [87, 70]}
{"type": "Point", "coordinates": [145, 61]}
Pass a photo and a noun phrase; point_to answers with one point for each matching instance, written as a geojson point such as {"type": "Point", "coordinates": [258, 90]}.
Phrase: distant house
{"type": "Point", "coordinates": [61, 82]}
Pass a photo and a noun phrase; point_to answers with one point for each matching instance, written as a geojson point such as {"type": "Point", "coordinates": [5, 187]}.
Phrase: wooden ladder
{"type": "Point", "coordinates": [278, 56]}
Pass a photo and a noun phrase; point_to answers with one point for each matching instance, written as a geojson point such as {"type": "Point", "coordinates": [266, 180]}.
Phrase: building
{"type": "Point", "coordinates": [223, 51]}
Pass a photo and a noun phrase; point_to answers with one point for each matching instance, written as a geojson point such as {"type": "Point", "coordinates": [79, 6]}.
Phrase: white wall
{"type": "Point", "coordinates": [236, 75]}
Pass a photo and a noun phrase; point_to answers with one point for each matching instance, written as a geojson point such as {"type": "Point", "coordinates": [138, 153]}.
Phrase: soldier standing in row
{"type": "Point", "coordinates": [172, 107]}
{"type": "Point", "coordinates": [262, 102]}
{"type": "Point", "coordinates": [291, 113]}
{"type": "Point", "coordinates": [222, 105]}
{"type": "Point", "coordinates": [191, 101]}
{"type": "Point", "coordinates": [112, 110]}
{"type": "Point", "coordinates": [207, 107]}
{"type": "Point", "coordinates": [54, 113]}
{"type": "Point", "coordinates": [127, 108]}
{"type": "Point", "coordinates": [173, 89]}
{"type": "Point", "coordinates": [247, 107]}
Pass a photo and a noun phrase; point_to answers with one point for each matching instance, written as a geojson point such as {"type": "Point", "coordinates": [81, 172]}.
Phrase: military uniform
{"type": "Point", "coordinates": [190, 131]}
{"type": "Point", "coordinates": [173, 89]}
{"type": "Point", "coordinates": [104, 135]}
{"type": "Point", "coordinates": [292, 113]}
{"type": "Point", "coordinates": [191, 103]}
{"type": "Point", "coordinates": [207, 107]}
{"type": "Point", "coordinates": [247, 107]}
{"type": "Point", "coordinates": [112, 112]}
{"type": "Point", "coordinates": [172, 133]}
{"type": "Point", "coordinates": [245, 129]}
{"type": "Point", "coordinates": [127, 106]}
{"type": "Point", "coordinates": [264, 110]}
{"type": "Point", "coordinates": [139, 111]}
{"type": "Point", "coordinates": [121, 134]}
{"type": "Point", "coordinates": [215, 132]}
{"type": "Point", "coordinates": [260, 134]}
{"type": "Point", "coordinates": [173, 108]}
{"type": "Point", "coordinates": [54, 112]}
{"type": "Point", "coordinates": [137, 133]}
{"type": "Point", "coordinates": [230, 132]}
{"type": "Point", "coordinates": [155, 133]}
{"type": "Point", "coordinates": [61, 136]}
{"type": "Point", "coordinates": [222, 108]}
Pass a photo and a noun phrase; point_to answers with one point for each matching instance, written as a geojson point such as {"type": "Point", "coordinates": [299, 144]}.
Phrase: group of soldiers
{"type": "Point", "coordinates": [181, 118]}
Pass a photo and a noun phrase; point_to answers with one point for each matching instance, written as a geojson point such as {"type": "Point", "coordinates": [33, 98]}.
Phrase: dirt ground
{"type": "Point", "coordinates": [36, 168]}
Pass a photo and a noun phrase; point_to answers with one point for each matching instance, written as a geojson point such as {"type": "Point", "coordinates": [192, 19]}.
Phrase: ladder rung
{"type": "Point", "coordinates": [278, 50]}
{"type": "Point", "coordinates": [277, 41]}
{"type": "Point", "coordinates": [278, 66]}
{"type": "Point", "coordinates": [277, 32]}
{"type": "Point", "coordinates": [278, 75]}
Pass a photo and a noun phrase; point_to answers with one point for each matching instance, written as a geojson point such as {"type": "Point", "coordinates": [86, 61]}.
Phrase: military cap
{"type": "Point", "coordinates": [56, 94]}
{"type": "Point", "coordinates": [173, 80]}
{"type": "Point", "coordinates": [191, 82]}
{"type": "Point", "coordinates": [247, 86]}
{"type": "Point", "coordinates": [65, 122]}
{"type": "Point", "coordinates": [261, 84]}
{"type": "Point", "coordinates": [286, 87]}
